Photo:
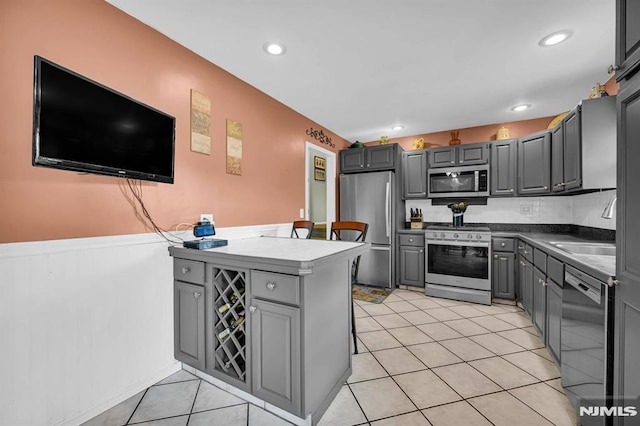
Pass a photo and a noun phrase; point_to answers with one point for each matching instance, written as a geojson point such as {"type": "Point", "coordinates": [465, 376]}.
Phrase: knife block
{"type": "Point", "coordinates": [416, 222]}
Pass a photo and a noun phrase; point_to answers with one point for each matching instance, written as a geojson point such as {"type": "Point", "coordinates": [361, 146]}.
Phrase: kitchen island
{"type": "Point", "coordinates": [268, 317]}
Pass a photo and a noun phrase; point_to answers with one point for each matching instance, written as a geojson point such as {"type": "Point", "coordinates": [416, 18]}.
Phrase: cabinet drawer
{"type": "Point", "coordinates": [503, 244]}
{"type": "Point", "coordinates": [540, 260]}
{"type": "Point", "coordinates": [188, 270]}
{"type": "Point", "coordinates": [525, 250]}
{"type": "Point", "coordinates": [555, 270]}
{"type": "Point", "coordinates": [276, 287]}
{"type": "Point", "coordinates": [412, 240]}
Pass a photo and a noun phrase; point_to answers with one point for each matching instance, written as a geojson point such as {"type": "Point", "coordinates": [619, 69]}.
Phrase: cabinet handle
{"type": "Point", "coordinates": [544, 283]}
{"type": "Point", "coordinates": [511, 190]}
{"type": "Point", "coordinates": [520, 247]}
{"type": "Point", "coordinates": [453, 162]}
{"type": "Point", "coordinates": [410, 240]}
{"type": "Point", "coordinates": [421, 250]}
{"type": "Point", "coordinates": [252, 309]}
{"type": "Point", "coordinates": [495, 256]}
{"type": "Point", "coordinates": [503, 244]}
{"type": "Point", "coordinates": [545, 187]}
{"type": "Point", "coordinates": [611, 282]}
{"type": "Point", "coordinates": [271, 286]}
{"type": "Point", "coordinates": [612, 69]}
{"type": "Point", "coordinates": [185, 270]}
{"type": "Point", "coordinates": [461, 161]}
{"type": "Point", "coordinates": [197, 294]}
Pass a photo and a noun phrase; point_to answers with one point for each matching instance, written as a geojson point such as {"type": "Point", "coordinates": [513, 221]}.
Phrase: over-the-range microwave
{"type": "Point", "coordinates": [464, 181]}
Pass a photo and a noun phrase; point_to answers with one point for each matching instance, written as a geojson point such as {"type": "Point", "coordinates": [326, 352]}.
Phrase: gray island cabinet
{"type": "Point", "coordinates": [269, 316]}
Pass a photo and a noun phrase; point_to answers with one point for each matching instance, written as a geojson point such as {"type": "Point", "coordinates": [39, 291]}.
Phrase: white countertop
{"type": "Point", "coordinates": [283, 248]}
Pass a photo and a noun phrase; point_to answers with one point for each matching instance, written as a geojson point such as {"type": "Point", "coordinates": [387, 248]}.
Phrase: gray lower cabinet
{"type": "Point", "coordinates": [534, 163]}
{"type": "Point", "coordinates": [539, 313]}
{"type": "Point", "coordinates": [554, 318]}
{"type": "Point", "coordinates": [525, 274]}
{"type": "Point", "coordinates": [275, 347]}
{"type": "Point", "coordinates": [189, 323]}
{"type": "Point", "coordinates": [503, 275]}
{"type": "Point", "coordinates": [504, 176]}
{"type": "Point", "coordinates": [414, 174]}
{"type": "Point", "coordinates": [412, 260]}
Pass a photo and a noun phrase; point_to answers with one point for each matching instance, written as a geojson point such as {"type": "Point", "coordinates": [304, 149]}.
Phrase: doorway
{"type": "Point", "coordinates": [320, 188]}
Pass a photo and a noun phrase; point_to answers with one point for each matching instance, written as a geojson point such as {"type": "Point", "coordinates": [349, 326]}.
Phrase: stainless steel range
{"type": "Point", "coordinates": [458, 263]}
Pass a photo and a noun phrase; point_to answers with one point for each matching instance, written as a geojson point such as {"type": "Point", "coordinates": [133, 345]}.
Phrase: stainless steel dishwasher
{"type": "Point", "coordinates": [586, 341]}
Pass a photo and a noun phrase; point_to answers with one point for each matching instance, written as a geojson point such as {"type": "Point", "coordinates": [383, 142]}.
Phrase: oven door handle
{"type": "Point", "coordinates": [459, 243]}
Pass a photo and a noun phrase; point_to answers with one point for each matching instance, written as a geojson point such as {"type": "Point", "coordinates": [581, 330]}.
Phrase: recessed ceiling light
{"type": "Point", "coordinates": [519, 108]}
{"type": "Point", "coordinates": [397, 127]}
{"type": "Point", "coordinates": [555, 38]}
{"type": "Point", "coordinates": [274, 48]}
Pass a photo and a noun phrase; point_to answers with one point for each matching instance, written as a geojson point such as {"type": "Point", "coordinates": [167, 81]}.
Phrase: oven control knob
{"type": "Point", "coordinates": [442, 235]}
{"type": "Point", "coordinates": [455, 235]}
{"type": "Point", "coordinates": [478, 236]}
{"type": "Point", "coordinates": [470, 236]}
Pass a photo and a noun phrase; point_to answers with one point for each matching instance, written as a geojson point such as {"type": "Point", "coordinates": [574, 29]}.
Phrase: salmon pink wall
{"type": "Point", "coordinates": [100, 42]}
{"type": "Point", "coordinates": [475, 134]}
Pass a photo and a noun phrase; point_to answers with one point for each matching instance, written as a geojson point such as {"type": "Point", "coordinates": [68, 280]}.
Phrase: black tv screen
{"type": "Point", "coordinates": [81, 125]}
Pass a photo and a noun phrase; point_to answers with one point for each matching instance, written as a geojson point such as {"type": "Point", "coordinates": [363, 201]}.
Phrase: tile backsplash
{"type": "Point", "coordinates": [583, 210]}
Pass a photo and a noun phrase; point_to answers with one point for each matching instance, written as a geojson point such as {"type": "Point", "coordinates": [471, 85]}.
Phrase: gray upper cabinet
{"type": "Point", "coordinates": [534, 163]}
{"type": "Point", "coordinates": [572, 159]}
{"type": "Point", "coordinates": [370, 158]}
{"type": "Point", "coordinates": [473, 153]}
{"type": "Point", "coordinates": [627, 38]}
{"type": "Point", "coordinates": [459, 155]}
{"type": "Point", "coordinates": [414, 174]}
{"type": "Point", "coordinates": [352, 160]}
{"type": "Point", "coordinates": [557, 158]}
{"type": "Point", "coordinates": [503, 168]}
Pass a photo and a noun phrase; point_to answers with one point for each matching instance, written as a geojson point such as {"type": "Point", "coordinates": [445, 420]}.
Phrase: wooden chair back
{"type": "Point", "coordinates": [358, 230]}
{"type": "Point", "coordinates": [299, 225]}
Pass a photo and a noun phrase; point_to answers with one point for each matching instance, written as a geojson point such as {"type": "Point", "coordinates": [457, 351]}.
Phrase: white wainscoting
{"type": "Point", "coordinates": [87, 323]}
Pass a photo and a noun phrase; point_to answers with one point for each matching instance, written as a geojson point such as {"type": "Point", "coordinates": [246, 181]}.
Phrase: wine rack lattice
{"type": "Point", "coordinates": [230, 348]}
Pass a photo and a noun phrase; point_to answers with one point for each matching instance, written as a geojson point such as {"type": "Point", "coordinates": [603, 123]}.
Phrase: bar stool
{"type": "Point", "coordinates": [351, 231]}
{"type": "Point", "coordinates": [299, 225]}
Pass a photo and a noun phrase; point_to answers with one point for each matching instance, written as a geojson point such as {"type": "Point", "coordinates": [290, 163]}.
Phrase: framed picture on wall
{"type": "Point", "coordinates": [319, 162]}
{"type": "Point", "coordinates": [320, 174]}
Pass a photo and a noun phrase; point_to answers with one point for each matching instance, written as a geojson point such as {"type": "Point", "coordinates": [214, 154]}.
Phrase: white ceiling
{"type": "Point", "coordinates": [357, 67]}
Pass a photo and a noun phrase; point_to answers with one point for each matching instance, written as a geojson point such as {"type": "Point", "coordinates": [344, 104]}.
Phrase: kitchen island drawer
{"type": "Point", "coordinates": [188, 271]}
{"type": "Point", "coordinates": [503, 244]}
{"type": "Point", "coordinates": [540, 260]}
{"type": "Point", "coordinates": [412, 240]}
{"type": "Point", "coordinates": [277, 287]}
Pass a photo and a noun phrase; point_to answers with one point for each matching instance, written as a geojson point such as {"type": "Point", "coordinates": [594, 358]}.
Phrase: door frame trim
{"type": "Point", "coordinates": [310, 149]}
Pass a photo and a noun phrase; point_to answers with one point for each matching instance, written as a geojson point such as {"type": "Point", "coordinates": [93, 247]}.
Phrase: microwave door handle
{"type": "Point", "coordinates": [476, 175]}
{"type": "Point", "coordinates": [386, 208]}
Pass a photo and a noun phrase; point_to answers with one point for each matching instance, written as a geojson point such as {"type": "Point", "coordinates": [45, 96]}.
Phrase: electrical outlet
{"type": "Point", "coordinates": [301, 213]}
{"type": "Point", "coordinates": [525, 208]}
{"type": "Point", "coordinates": [208, 217]}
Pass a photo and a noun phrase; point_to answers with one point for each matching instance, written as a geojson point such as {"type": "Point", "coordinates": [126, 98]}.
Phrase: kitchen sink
{"type": "Point", "coordinates": [596, 249]}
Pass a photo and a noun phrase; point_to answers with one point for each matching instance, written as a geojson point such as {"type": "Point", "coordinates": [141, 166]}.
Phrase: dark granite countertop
{"type": "Point", "coordinates": [540, 236]}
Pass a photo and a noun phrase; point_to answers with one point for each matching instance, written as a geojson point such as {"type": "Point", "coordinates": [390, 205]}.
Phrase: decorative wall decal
{"type": "Point", "coordinates": [200, 122]}
{"type": "Point", "coordinates": [320, 137]}
{"type": "Point", "coordinates": [234, 147]}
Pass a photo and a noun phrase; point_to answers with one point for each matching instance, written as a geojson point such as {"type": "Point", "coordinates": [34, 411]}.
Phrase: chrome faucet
{"type": "Point", "coordinates": [608, 209]}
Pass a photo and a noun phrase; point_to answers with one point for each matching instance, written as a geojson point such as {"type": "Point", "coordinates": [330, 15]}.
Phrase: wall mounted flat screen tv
{"type": "Point", "coordinates": [83, 126]}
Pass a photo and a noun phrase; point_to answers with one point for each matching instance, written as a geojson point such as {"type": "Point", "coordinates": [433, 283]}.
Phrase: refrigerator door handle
{"type": "Point", "coordinates": [386, 208]}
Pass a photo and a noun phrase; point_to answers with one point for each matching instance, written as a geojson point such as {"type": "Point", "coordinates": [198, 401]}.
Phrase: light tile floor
{"type": "Point", "coordinates": [421, 361]}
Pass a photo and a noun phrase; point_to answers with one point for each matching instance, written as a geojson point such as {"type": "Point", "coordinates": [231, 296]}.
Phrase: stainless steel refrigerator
{"type": "Point", "coordinates": [371, 198]}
